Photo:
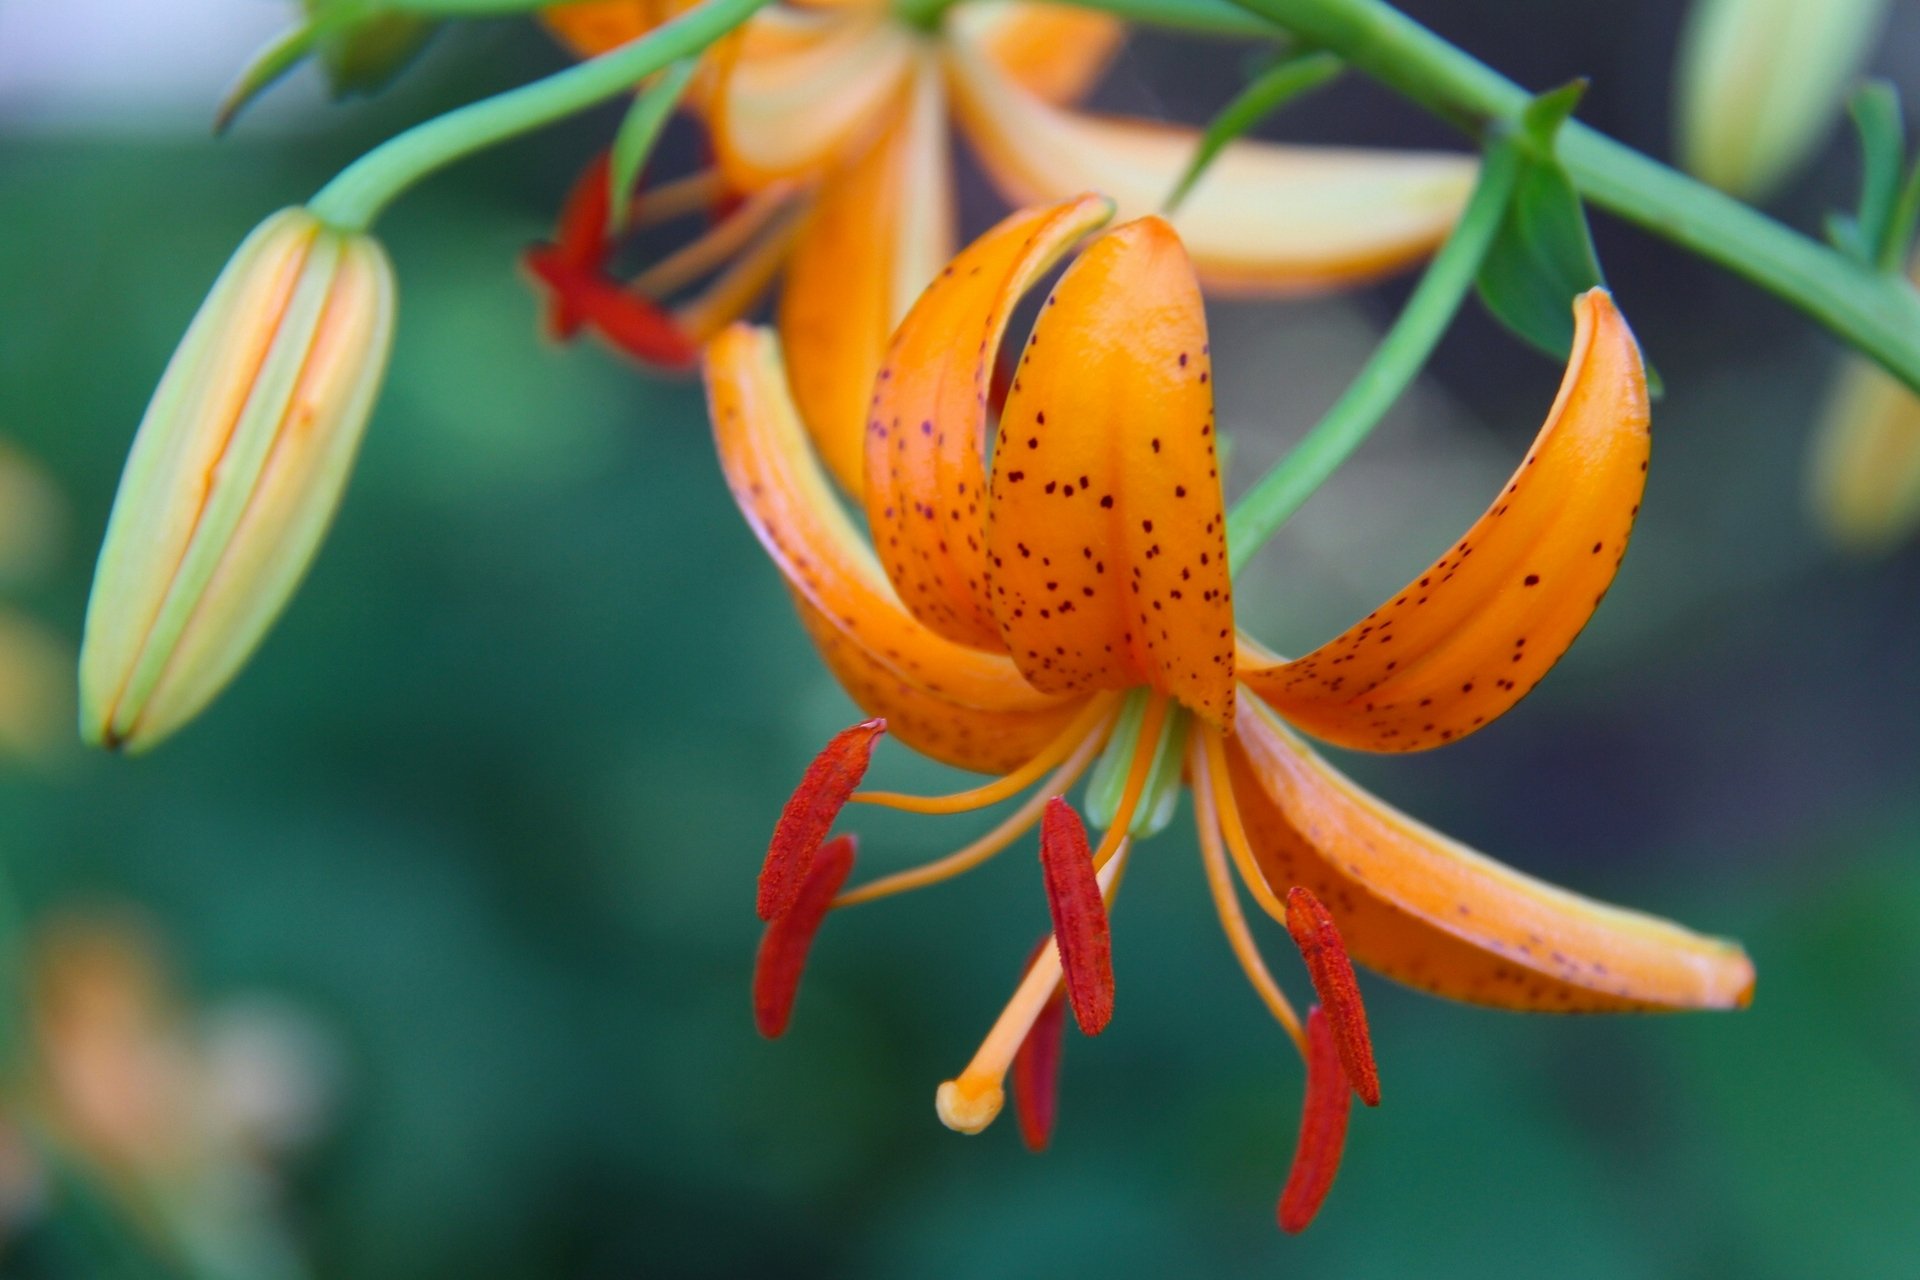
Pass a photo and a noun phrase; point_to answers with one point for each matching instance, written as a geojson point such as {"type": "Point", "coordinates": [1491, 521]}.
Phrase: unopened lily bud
{"type": "Point", "coordinates": [236, 471]}
{"type": "Point", "coordinates": [1865, 470]}
{"type": "Point", "coordinates": [1761, 82]}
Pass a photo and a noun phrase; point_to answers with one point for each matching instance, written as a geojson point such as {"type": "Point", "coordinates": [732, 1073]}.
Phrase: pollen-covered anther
{"type": "Point", "coordinates": [1318, 938]}
{"type": "Point", "coordinates": [1323, 1129]}
{"type": "Point", "coordinates": [784, 946]}
{"type": "Point", "coordinates": [1079, 916]}
{"type": "Point", "coordinates": [810, 814]}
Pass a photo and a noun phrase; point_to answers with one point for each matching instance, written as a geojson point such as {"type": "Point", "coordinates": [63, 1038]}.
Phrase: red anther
{"type": "Point", "coordinates": [1334, 982]}
{"type": "Point", "coordinates": [567, 285]}
{"type": "Point", "coordinates": [1079, 916]}
{"type": "Point", "coordinates": [1036, 1069]}
{"type": "Point", "coordinates": [640, 327]}
{"type": "Point", "coordinates": [784, 946]}
{"type": "Point", "coordinates": [581, 235]}
{"type": "Point", "coordinates": [809, 814]}
{"type": "Point", "coordinates": [1323, 1128]}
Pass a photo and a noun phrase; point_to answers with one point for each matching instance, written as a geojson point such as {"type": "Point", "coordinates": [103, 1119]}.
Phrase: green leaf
{"type": "Point", "coordinates": [1865, 236]}
{"type": "Point", "coordinates": [1279, 85]}
{"type": "Point", "coordinates": [1541, 120]}
{"type": "Point", "coordinates": [1541, 259]}
{"type": "Point", "coordinates": [366, 56]}
{"type": "Point", "coordinates": [641, 130]}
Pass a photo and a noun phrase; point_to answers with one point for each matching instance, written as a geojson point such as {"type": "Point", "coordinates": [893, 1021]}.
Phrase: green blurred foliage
{"type": "Point", "coordinates": [489, 804]}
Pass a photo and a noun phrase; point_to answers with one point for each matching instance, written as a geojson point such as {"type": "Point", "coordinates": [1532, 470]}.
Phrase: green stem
{"type": "Point", "coordinates": [1389, 370]}
{"type": "Point", "coordinates": [1876, 313]}
{"type": "Point", "coordinates": [358, 195]}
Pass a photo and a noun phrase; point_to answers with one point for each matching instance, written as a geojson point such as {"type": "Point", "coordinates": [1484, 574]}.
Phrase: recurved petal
{"type": "Point", "coordinates": [956, 704]}
{"type": "Point", "coordinates": [803, 91]}
{"type": "Point", "coordinates": [1106, 533]}
{"type": "Point", "coordinates": [1478, 630]}
{"type": "Point", "coordinates": [1054, 51]}
{"type": "Point", "coordinates": [1427, 911]}
{"type": "Point", "coordinates": [1265, 218]}
{"type": "Point", "coordinates": [880, 230]}
{"type": "Point", "coordinates": [926, 447]}
{"type": "Point", "coordinates": [592, 27]}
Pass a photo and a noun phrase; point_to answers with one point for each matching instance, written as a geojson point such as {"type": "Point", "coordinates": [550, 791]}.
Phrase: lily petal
{"type": "Point", "coordinates": [953, 703]}
{"type": "Point", "coordinates": [1106, 531]}
{"type": "Point", "coordinates": [1056, 52]}
{"type": "Point", "coordinates": [879, 232]}
{"type": "Point", "coordinates": [803, 91]}
{"type": "Point", "coordinates": [926, 471]}
{"type": "Point", "coordinates": [1478, 630]}
{"type": "Point", "coordinates": [1427, 911]}
{"type": "Point", "coordinates": [592, 27]}
{"type": "Point", "coordinates": [1265, 218]}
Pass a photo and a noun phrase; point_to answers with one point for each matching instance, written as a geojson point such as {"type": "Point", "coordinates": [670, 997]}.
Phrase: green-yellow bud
{"type": "Point", "coordinates": [1865, 469]}
{"type": "Point", "coordinates": [1761, 82]}
{"type": "Point", "coordinates": [234, 475]}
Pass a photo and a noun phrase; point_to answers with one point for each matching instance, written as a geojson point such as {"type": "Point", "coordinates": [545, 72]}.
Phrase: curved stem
{"type": "Point", "coordinates": [1388, 371]}
{"type": "Point", "coordinates": [358, 195]}
{"type": "Point", "coordinates": [1879, 314]}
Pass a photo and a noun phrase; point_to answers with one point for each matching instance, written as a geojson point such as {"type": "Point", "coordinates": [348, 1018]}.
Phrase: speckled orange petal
{"type": "Point", "coordinates": [1472, 635]}
{"type": "Point", "coordinates": [1265, 218]}
{"type": "Point", "coordinates": [880, 230]}
{"type": "Point", "coordinates": [804, 91]}
{"type": "Point", "coordinates": [926, 447]}
{"type": "Point", "coordinates": [956, 704]}
{"type": "Point", "coordinates": [1105, 529]}
{"type": "Point", "coordinates": [1417, 907]}
{"type": "Point", "coordinates": [1054, 51]}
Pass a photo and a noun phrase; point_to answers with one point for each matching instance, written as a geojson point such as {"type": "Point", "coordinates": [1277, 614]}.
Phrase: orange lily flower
{"type": "Point", "coordinates": [1072, 595]}
{"type": "Point", "coordinates": [829, 125]}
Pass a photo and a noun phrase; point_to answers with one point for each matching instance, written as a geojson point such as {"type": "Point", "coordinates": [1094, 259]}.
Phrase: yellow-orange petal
{"type": "Point", "coordinates": [592, 27]}
{"type": "Point", "coordinates": [926, 447]}
{"type": "Point", "coordinates": [1478, 630]}
{"type": "Point", "coordinates": [1106, 533]}
{"type": "Point", "coordinates": [1054, 51]}
{"type": "Point", "coordinates": [1265, 218]}
{"type": "Point", "coordinates": [880, 230]}
{"type": "Point", "coordinates": [956, 704]}
{"type": "Point", "coordinates": [1425, 910]}
{"type": "Point", "coordinates": [801, 92]}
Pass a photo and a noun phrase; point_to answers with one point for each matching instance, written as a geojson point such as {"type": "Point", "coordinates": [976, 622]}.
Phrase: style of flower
{"type": "Point", "coordinates": [829, 126]}
{"type": "Point", "coordinates": [1073, 596]}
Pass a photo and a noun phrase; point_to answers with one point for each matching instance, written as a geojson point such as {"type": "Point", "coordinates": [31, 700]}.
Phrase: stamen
{"type": "Point", "coordinates": [695, 193]}
{"type": "Point", "coordinates": [1036, 1071]}
{"type": "Point", "coordinates": [707, 252]}
{"type": "Point", "coordinates": [1017, 824]}
{"type": "Point", "coordinates": [736, 288]}
{"type": "Point", "coordinates": [1235, 830]}
{"type": "Point", "coordinates": [1079, 916]}
{"type": "Point", "coordinates": [1232, 920]}
{"type": "Point", "coordinates": [789, 936]}
{"type": "Point", "coordinates": [629, 323]}
{"type": "Point", "coordinates": [1323, 1129]}
{"type": "Point", "coordinates": [1334, 981]}
{"type": "Point", "coordinates": [810, 814]}
{"type": "Point", "coordinates": [580, 236]}
{"type": "Point", "coordinates": [1145, 747]}
{"type": "Point", "coordinates": [969, 1102]}
{"type": "Point", "coordinates": [1075, 734]}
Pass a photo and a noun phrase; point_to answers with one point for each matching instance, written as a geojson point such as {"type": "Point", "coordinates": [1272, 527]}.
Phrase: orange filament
{"type": "Point", "coordinates": [736, 288]}
{"type": "Point", "coordinates": [784, 945]}
{"type": "Point", "coordinates": [1036, 1073]}
{"type": "Point", "coordinates": [1144, 748]}
{"type": "Point", "coordinates": [1016, 825]}
{"type": "Point", "coordinates": [695, 193]}
{"type": "Point", "coordinates": [709, 251]}
{"type": "Point", "coordinates": [1079, 916]}
{"type": "Point", "coordinates": [1086, 723]}
{"type": "Point", "coordinates": [1320, 946]}
{"type": "Point", "coordinates": [810, 814]}
{"type": "Point", "coordinates": [1220, 881]}
{"type": "Point", "coordinates": [1323, 1129]}
{"type": "Point", "coordinates": [969, 1102]}
{"type": "Point", "coordinates": [1233, 828]}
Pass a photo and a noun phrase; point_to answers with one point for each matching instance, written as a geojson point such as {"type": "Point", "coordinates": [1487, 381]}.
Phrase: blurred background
{"type": "Point", "coordinates": [425, 952]}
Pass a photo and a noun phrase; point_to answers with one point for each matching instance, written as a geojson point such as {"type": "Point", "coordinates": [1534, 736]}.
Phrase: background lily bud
{"type": "Point", "coordinates": [1865, 469]}
{"type": "Point", "coordinates": [236, 471]}
{"type": "Point", "coordinates": [1761, 82]}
